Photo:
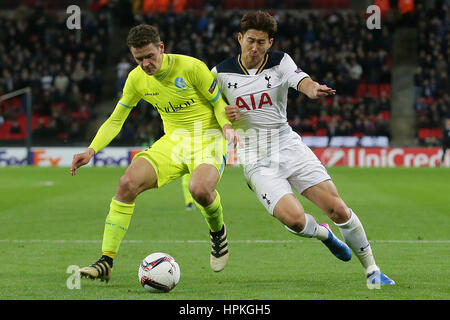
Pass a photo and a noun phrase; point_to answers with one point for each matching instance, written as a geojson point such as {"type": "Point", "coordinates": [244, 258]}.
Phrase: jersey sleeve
{"type": "Point", "coordinates": [219, 83]}
{"type": "Point", "coordinates": [110, 128]}
{"type": "Point", "coordinates": [207, 85]}
{"type": "Point", "coordinates": [130, 96]}
{"type": "Point", "coordinates": [291, 73]}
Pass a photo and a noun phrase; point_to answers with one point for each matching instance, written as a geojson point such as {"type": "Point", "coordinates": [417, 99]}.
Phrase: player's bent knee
{"type": "Point", "coordinates": [339, 212]}
{"type": "Point", "coordinates": [293, 216]}
{"type": "Point", "coordinates": [296, 223]}
{"type": "Point", "coordinates": [200, 193]}
{"type": "Point", "coordinates": [128, 187]}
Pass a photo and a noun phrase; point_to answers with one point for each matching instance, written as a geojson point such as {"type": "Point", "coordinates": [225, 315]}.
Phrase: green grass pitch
{"type": "Point", "coordinates": [50, 221]}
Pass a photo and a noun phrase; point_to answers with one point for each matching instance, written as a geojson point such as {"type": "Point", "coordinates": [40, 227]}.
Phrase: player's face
{"type": "Point", "coordinates": [254, 45]}
{"type": "Point", "coordinates": [149, 57]}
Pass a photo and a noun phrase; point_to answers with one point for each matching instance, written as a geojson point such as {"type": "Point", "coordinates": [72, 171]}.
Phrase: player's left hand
{"type": "Point", "coordinates": [323, 91]}
{"type": "Point", "coordinates": [231, 135]}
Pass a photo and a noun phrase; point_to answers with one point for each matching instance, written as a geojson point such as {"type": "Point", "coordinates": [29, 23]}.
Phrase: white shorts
{"type": "Point", "coordinates": [294, 166]}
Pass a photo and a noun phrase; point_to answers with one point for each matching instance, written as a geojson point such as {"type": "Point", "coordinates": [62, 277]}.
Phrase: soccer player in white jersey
{"type": "Point", "coordinates": [274, 158]}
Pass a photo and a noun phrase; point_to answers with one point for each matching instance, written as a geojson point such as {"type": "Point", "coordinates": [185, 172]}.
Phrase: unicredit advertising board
{"type": "Point", "coordinates": [122, 156]}
{"type": "Point", "coordinates": [382, 157]}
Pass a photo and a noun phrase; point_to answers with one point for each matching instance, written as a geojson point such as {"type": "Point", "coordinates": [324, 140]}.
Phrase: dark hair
{"type": "Point", "coordinates": [259, 20]}
{"type": "Point", "coordinates": [142, 35]}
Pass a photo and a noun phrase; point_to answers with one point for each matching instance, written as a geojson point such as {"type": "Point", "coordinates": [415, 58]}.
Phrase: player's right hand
{"type": "Point", "coordinates": [232, 112]}
{"type": "Point", "coordinates": [80, 159]}
{"type": "Point", "coordinates": [232, 136]}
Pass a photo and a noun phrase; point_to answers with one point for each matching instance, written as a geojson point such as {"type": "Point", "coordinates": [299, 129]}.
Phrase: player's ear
{"type": "Point", "coordinates": [239, 37]}
{"type": "Point", "coordinates": [161, 47]}
{"type": "Point", "coordinates": [270, 42]}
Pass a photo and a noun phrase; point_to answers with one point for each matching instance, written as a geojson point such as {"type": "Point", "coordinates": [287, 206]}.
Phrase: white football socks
{"type": "Point", "coordinates": [354, 235]}
{"type": "Point", "coordinates": [311, 229]}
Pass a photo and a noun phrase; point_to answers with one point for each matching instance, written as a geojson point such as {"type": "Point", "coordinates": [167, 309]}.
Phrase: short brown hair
{"type": "Point", "coordinates": [259, 20]}
{"type": "Point", "coordinates": [142, 35]}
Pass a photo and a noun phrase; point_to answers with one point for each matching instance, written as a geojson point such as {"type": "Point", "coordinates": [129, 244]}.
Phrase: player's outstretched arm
{"type": "Point", "coordinates": [232, 112]}
{"type": "Point", "coordinates": [105, 134]}
{"type": "Point", "coordinates": [80, 159]}
{"type": "Point", "coordinates": [315, 90]}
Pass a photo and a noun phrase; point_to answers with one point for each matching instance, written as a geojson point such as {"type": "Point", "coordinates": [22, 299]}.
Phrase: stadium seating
{"type": "Point", "coordinates": [361, 95]}
{"type": "Point", "coordinates": [44, 68]}
{"type": "Point", "coordinates": [330, 4]}
{"type": "Point", "coordinates": [432, 86]}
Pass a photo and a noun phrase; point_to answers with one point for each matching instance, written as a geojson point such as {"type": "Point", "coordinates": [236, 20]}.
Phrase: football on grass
{"type": "Point", "coordinates": [159, 272]}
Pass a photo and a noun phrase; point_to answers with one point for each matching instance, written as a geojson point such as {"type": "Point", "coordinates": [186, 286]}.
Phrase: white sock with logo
{"type": "Point", "coordinates": [354, 235]}
{"type": "Point", "coordinates": [312, 229]}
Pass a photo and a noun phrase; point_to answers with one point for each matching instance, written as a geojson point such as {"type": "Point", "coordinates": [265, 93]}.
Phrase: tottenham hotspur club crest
{"type": "Point", "coordinates": [264, 196]}
{"type": "Point", "coordinates": [268, 80]}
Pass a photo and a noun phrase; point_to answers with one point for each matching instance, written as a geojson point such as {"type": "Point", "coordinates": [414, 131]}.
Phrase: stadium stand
{"type": "Point", "coordinates": [354, 60]}
{"type": "Point", "coordinates": [330, 41]}
{"type": "Point", "coordinates": [63, 69]}
{"type": "Point", "coordinates": [431, 80]}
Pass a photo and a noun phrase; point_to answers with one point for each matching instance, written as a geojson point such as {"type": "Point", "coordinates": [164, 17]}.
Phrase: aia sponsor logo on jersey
{"type": "Point", "coordinates": [257, 101]}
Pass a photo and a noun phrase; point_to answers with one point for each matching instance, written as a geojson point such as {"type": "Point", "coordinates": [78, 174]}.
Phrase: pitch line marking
{"type": "Point", "coordinates": [254, 241]}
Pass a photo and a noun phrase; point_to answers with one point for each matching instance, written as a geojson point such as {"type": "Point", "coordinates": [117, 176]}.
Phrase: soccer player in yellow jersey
{"type": "Point", "coordinates": [187, 97]}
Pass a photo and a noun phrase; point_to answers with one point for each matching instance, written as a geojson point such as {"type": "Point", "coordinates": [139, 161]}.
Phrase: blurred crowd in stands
{"type": "Point", "coordinates": [431, 79]}
{"type": "Point", "coordinates": [334, 47]}
{"type": "Point", "coordinates": [62, 67]}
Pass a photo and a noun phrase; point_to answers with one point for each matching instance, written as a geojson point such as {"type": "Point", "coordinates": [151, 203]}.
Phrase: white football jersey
{"type": "Point", "coordinates": [261, 94]}
{"type": "Point", "coordinates": [274, 158]}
